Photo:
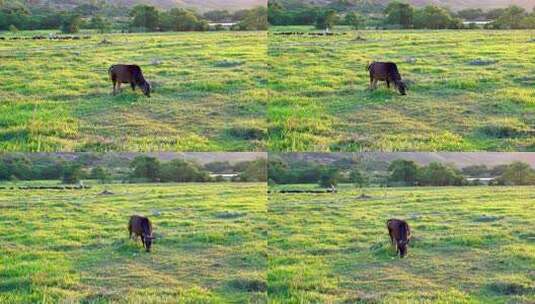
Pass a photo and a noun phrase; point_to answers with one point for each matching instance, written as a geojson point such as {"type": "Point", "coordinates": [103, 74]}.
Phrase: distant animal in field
{"type": "Point", "coordinates": [142, 227]}
{"type": "Point", "coordinates": [386, 71]}
{"type": "Point", "coordinates": [132, 74]}
{"type": "Point", "coordinates": [400, 235]}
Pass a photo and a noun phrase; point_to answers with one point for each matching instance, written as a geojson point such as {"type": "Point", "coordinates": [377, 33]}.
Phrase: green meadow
{"type": "Point", "coordinates": [73, 246]}
{"type": "Point", "coordinates": [209, 93]}
{"type": "Point", "coordinates": [468, 91]}
{"type": "Point", "coordinates": [469, 245]}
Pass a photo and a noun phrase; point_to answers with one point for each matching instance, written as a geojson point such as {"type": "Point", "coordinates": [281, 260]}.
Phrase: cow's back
{"type": "Point", "coordinates": [125, 73]}
{"type": "Point", "coordinates": [384, 71]}
{"type": "Point", "coordinates": [139, 224]}
{"type": "Point", "coordinates": [399, 228]}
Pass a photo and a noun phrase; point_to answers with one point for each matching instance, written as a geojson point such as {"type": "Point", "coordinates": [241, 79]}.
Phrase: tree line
{"type": "Point", "coordinates": [144, 169]}
{"type": "Point", "coordinates": [397, 15]}
{"type": "Point", "coordinates": [15, 15]}
{"type": "Point", "coordinates": [399, 173]}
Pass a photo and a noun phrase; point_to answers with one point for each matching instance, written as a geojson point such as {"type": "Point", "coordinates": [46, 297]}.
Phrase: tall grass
{"type": "Point", "coordinates": [56, 95]}
{"type": "Point", "coordinates": [73, 246]}
{"type": "Point", "coordinates": [460, 83]}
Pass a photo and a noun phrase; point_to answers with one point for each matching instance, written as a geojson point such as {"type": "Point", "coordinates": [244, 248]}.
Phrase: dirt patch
{"type": "Point", "coordinates": [249, 285]}
{"type": "Point", "coordinates": [482, 62]}
{"type": "Point", "coordinates": [364, 197]}
{"type": "Point", "coordinates": [247, 133]}
{"type": "Point", "coordinates": [507, 288]}
{"type": "Point", "coordinates": [229, 215]}
{"type": "Point", "coordinates": [487, 218]}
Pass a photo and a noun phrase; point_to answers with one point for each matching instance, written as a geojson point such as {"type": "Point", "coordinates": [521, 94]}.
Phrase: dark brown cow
{"type": "Point", "coordinates": [132, 74]}
{"type": "Point", "coordinates": [386, 71]}
{"type": "Point", "coordinates": [142, 227]}
{"type": "Point", "coordinates": [400, 235]}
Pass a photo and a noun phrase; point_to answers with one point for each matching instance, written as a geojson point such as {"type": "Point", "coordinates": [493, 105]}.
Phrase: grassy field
{"type": "Point", "coordinates": [469, 245]}
{"type": "Point", "coordinates": [209, 93]}
{"type": "Point", "coordinates": [73, 247]}
{"type": "Point", "coordinates": [469, 91]}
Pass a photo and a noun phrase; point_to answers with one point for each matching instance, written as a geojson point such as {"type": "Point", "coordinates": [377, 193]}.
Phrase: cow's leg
{"type": "Point", "coordinates": [114, 88]}
{"type": "Point", "coordinates": [371, 83]}
{"type": "Point", "coordinates": [119, 86]}
{"type": "Point", "coordinates": [388, 84]}
{"type": "Point", "coordinates": [143, 240]}
{"type": "Point", "coordinates": [133, 85]}
{"type": "Point", "coordinates": [375, 81]}
{"type": "Point", "coordinates": [391, 237]}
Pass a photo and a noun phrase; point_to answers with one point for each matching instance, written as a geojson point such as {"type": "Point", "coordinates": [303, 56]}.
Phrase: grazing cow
{"type": "Point", "coordinates": [131, 74]}
{"type": "Point", "coordinates": [141, 226]}
{"type": "Point", "coordinates": [386, 71]}
{"type": "Point", "coordinates": [400, 234]}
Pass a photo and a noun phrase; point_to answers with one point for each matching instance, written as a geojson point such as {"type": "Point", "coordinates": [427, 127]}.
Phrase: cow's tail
{"type": "Point", "coordinates": [403, 231]}
{"type": "Point", "coordinates": [110, 69]}
{"type": "Point", "coordinates": [369, 66]}
{"type": "Point", "coordinates": [147, 227]}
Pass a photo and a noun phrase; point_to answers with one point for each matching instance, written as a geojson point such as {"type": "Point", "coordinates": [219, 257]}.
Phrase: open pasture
{"type": "Point", "coordinates": [209, 93]}
{"type": "Point", "coordinates": [469, 245]}
{"type": "Point", "coordinates": [468, 91]}
{"type": "Point", "coordinates": [73, 246]}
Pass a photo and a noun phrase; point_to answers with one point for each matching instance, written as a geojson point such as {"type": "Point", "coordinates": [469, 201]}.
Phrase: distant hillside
{"type": "Point", "coordinates": [123, 159]}
{"type": "Point", "coordinates": [452, 4]}
{"type": "Point", "coordinates": [461, 160]}
{"type": "Point", "coordinates": [201, 5]}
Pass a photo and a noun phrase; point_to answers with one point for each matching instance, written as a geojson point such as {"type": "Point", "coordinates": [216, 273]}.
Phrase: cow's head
{"type": "Point", "coordinates": [148, 242]}
{"type": "Point", "coordinates": [146, 87]}
{"type": "Point", "coordinates": [402, 87]}
{"type": "Point", "coordinates": [402, 246]}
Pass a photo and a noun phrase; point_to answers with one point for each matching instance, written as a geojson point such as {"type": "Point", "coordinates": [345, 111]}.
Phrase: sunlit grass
{"type": "Point", "coordinates": [73, 247]}
{"type": "Point", "coordinates": [460, 82]}
{"type": "Point", "coordinates": [469, 245]}
{"type": "Point", "coordinates": [56, 95]}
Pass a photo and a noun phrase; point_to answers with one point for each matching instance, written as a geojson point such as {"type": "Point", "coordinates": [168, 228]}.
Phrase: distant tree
{"type": "Point", "coordinates": [13, 29]}
{"type": "Point", "coordinates": [498, 170]}
{"type": "Point", "coordinates": [329, 177]}
{"type": "Point", "coordinates": [434, 17]}
{"type": "Point", "coordinates": [437, 174]}
{"type": "Point", "coordinates": [518, 174]}
{"type": "Point", "coordinates": [180, 171]}
{"type": "Point", "coordinates": [476, 171]}
{"type": "Point", "coordinates": [146, 17]}
{"type": "Point", "coordinates": [528, 22]}
{"type": "Point", "coordinates": [471, 14]}
{"type": "Point", "coordinates": [494, 13]}
{"type": "Point", "coordinates": [255, 171]}
{"type": "Point", "coordinates": [277, 171]}
{"type": "Point", "coordinates": [510, 18]}
{"type": "Point", "coordinates": [100, 174]}
{"type": "Point", "coordinates": [358, 178]}
{"type": "Point", "coordinates": [355, 20]}
{"type": "Point", "coordinates": [72, 174]}
{"type": "Point", "coordinates": [100, 24]}
{"type": "Point", "coordinates": [326, 20]}
{"type": "Point", "coordinates": [398, 13]}
{"type": "Point", "coordinates": [71, 24]}
{"type": "Point", "coordinates": [218, 16]}
{"type": "Point", "coordinates": [254, 20]}
{"type": "Point", "coordinates": [219, 167]}
{"type": "Point", "coordinates": [145, 167]}
{"type": "Point", "coordinates": [404, 172]}
{"type": "Point", "coordinates": [178, 19]}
